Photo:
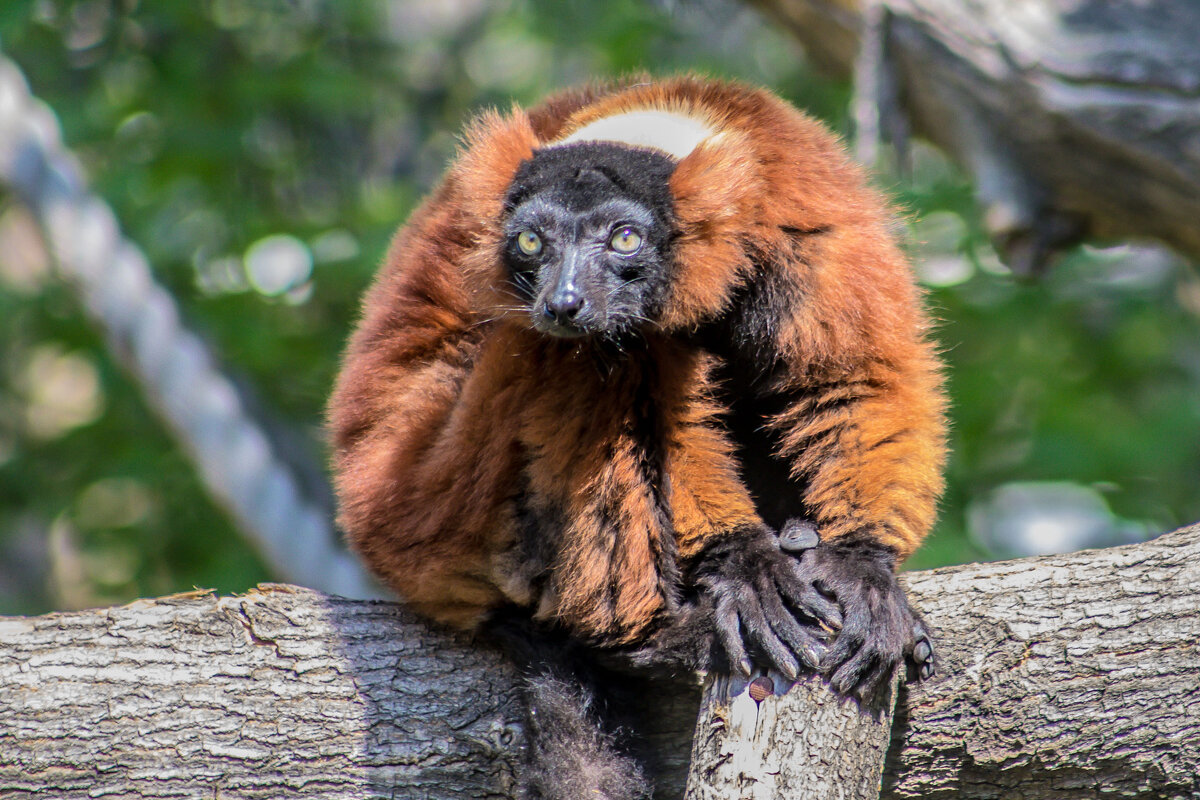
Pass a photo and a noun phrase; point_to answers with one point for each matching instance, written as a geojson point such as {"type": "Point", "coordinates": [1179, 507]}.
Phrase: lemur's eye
{"type": "Point", "coordinates": [529, 243]}
{"type": "Point", "coordinates": [625, 241]}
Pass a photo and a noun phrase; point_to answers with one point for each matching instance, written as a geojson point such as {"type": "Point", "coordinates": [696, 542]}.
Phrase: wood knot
{"type": "Point", "coordinates": [761, 688]}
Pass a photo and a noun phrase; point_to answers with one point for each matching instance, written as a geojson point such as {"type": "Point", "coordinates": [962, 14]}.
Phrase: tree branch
{"type": "Point", "coordinates": [1059, 675]}
{"type": "Point", "coordinates": [1075, 117]}
{"type": "Point", "coordinates": [241, 465]}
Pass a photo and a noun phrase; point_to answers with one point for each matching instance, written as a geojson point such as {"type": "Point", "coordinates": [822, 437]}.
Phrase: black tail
{"type": "Point", "coordinates": [579, 743]}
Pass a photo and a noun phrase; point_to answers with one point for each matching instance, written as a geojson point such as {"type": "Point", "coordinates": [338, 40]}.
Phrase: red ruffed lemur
{"type": "Point", "coordinates": [646, 382]}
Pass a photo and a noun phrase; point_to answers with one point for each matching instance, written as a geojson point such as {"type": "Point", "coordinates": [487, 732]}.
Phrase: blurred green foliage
{"type": "Point", "coordinates": [212, 125]}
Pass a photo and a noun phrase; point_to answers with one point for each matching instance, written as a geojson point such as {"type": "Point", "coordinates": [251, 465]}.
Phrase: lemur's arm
{"type": "Point", "coordinates": [858, 419]}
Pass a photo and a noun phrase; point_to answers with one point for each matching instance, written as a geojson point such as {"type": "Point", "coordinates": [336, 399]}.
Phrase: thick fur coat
{"type": "Point", "coordinates": [458, 428]}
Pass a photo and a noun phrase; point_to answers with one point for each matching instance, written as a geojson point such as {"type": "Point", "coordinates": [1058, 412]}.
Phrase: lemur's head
{"type": "Point", "coordinates": [588, 237]}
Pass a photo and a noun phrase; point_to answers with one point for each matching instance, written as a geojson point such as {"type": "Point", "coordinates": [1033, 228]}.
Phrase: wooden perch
{"type": "Point", "coordinates": [1059, 676]}
{"type": "Point", "coordinates": [1075, 117]}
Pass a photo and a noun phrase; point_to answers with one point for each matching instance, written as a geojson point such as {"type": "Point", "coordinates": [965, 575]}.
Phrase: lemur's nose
{"type": "Point", "coordinates": [564, 305]}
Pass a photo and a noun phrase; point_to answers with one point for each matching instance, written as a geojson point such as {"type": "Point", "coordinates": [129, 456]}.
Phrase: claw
{"type": "Point", "coordinates": [812, 655]}
{"type": "Point", "coordinates": [809, 601]}
{"type": "Point", "coordinates": [790, 669]}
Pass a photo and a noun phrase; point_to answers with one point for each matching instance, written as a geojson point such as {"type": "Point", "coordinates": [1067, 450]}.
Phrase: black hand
{"type": "Point", "coordinates": [763, 604]}
{"type": "Point", "coordinates": [879, 628]}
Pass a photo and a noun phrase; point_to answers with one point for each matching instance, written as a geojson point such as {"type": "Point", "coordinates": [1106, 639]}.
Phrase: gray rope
{"type": "Point", "coordinates": [142, 326]}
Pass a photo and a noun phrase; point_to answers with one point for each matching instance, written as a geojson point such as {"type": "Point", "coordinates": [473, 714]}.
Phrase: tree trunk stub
{"type": "Point", "coordinates": [806, 743]}
{"type": "Point", "coordinates": [1059, 677]}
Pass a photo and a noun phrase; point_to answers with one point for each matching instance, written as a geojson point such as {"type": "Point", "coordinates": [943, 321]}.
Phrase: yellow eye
{"type": "Point", "coordinates": [625, 241]}
{"type": "Point", "coordinates": [529, 242]}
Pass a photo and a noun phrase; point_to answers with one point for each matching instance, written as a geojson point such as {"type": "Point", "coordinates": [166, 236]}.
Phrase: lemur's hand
{"type": "Point", "coordinates": [878, 627]}
{"type": "Point", "coordinates": [766, 608]}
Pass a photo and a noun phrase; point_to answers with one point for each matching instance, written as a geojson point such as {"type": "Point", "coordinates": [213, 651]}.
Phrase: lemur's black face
{"type": "Point", "coordinates": [588, 238]}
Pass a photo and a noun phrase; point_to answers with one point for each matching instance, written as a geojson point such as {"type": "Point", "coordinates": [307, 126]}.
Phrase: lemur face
{"type": "Point", "coordinates": [588, 236]}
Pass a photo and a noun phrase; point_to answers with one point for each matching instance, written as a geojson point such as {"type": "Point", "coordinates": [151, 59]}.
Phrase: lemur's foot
{"type": "Point", "coordinates": [798, 535]}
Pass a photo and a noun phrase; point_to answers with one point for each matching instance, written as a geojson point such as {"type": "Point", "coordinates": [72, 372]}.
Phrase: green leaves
{"type": "Point", "coordinates": [216, 126]}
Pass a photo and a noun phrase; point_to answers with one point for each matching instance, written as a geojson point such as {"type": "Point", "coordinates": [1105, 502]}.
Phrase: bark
{"type": "Point", "coordinates": [1059, 677]}
{"type": "Point", "coordinates": [801, 742]}
{"type": "Point", "coordinates": [1075, 117]}
{"type": "Point", "coordinates": [283, 692]}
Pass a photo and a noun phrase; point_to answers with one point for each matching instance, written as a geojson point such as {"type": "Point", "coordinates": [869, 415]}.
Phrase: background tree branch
{"type": "Point", "coordinates": [1075, 117]}
{"type": "Point", "coordinates": [243, 466]}
{"type": "Point", "coordinates": [1059, 675]}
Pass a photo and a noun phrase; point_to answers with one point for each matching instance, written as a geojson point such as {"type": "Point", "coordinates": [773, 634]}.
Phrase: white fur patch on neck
{"type": "Point", "coordinates": [675, 134]}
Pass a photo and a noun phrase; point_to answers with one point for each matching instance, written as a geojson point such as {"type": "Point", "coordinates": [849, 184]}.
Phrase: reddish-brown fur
{"type": "Point", "coordinates": [454, 420]}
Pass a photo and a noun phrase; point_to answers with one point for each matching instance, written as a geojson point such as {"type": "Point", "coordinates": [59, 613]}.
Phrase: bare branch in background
{"type": "Point", "coordinates": [178, 375]}
{"type": "Point", "coordinates": [1074, 118]}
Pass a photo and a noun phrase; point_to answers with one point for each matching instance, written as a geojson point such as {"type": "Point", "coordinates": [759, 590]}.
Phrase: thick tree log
{"type": "Point", "coordinates": [1060, 677]}
{"type": "Point", "coordinates": [1076, 117]}
{"type": "Point", "coordinates": [283, 692]}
